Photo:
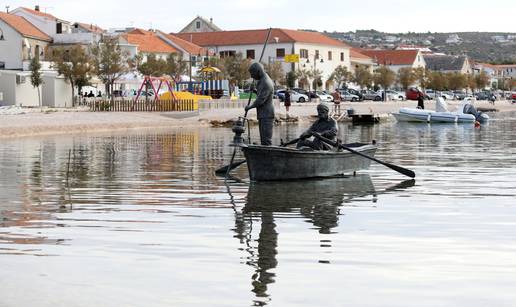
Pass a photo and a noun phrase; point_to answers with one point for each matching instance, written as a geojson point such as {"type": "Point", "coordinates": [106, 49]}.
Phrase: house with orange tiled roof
{"type": "Point", "coordinates": [316, 51]}
{"type": "Point", "coordinates": [396, 59]}
{"type": "Point", "coordinates": [359, 59]}
{"type": "Point", "coordinates": [47, 23]}
{"type": "Point", "coordinates": [147, 42]}
{"type": "Point", "coordinates": [20, 41]}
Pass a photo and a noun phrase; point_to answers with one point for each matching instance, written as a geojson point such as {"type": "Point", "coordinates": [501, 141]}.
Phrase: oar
{"type": "Point", "coordinates": [397, 168]}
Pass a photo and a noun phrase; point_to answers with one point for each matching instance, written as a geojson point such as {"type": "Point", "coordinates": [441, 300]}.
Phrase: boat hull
{"type": "Point", "coordinates": [280, 163]}
{"type": "Point", "coordinates": [416, 115]}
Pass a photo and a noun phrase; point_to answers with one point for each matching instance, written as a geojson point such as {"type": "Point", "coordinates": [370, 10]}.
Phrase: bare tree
{"type": "Point", "coordinates": [384, 77]}
{"type": "Point", "coordinates": [341, 75]}
{"type": "Point", "coordinates": [406, 77]}
{"type": "Point", "coordinates": [363, 77]}
{"type": "Point", "coordinates": [276, 72]}
{"type": "Point", "coordinates": [110, 62]}
{"type": "Point", "coordinates": [75, 64]}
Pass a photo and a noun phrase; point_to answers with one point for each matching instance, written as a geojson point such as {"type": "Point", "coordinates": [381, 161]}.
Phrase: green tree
{"type": "Point", "coordinates": [175, 67]}
{"type": "Point", "coordinates": [110, 62]}
{"type": "Point", "coordinates": [406, 77]}
{"type": "Point", "coordinates": [341, 75]}
{"type": "Point", "coordinates": [482, 80]}
{"type": "Point", "coordinates": [152, 66]}
{"type": "Point", "coordinates": [384, 77]}
{"type": "Point", "coordinates": [75, 64]}
{"type": "Point", "coordinates": [457, 81]}
{"type": "Point", "coordinates": [35, 76]}
{"type": "Point", "coordinates": [363, 77]}
{"type": "Point", "coordinates": [236, 68]}
{"type": "Point", "coordinates": [437, 81]}
{"type": "Point", "coordinates": [291, 78]}
{"type": "Point", "coordinates": [421, 76]}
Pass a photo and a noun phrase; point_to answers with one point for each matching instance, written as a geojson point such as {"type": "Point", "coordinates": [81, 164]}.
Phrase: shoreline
{"type": "Point", "coordinates": [43, 122]}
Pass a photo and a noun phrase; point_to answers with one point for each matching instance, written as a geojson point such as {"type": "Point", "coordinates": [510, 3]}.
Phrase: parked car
{"type": "Point", "coordinates": [447, 95]}
{"type": "Point", "coordinates": [324, 97]}
{"type": "Point", "coordinates": [394, 95]}
{"type": "Point", "coordinates": [513, 96]}
{"type": "Point", "coordinates": [347, 96]}
{"type": "Point", "coordinates": [484, 95]}
{"type": "Point", "coordinates": [294, 96]}
{"type": "Point", "coordinates": [459, 95]}
{"type": "Point", "coordinates": [413, 93]}
{"type": "Point", "coordinates": [304, 92]}
{"type": "Point", "coordinates": [372, 95]}
{"type": "Point", "coordinates": [355, 92]}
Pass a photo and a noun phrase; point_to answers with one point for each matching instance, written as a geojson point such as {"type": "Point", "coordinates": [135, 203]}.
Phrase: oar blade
{"type": "Point", "coordinates": [223, 170]}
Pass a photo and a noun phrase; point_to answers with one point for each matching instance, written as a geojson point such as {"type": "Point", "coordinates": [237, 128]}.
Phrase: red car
{"type": "Point", "coordinates": [414, 94]}
{"type": "Point", "coordinates": [513, 96]}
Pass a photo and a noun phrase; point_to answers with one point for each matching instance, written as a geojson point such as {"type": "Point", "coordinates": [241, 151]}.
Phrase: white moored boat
{"type": "Point", "coordinates": [466, 113]}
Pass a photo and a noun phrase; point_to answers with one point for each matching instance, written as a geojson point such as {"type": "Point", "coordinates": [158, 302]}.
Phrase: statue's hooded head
{"type": "Point", "coordinates": [322, 111]}
{"type": "Point", "coordinates": [256, 70]}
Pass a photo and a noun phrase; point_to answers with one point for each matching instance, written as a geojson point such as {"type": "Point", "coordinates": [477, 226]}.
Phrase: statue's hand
{"type": "Point", "coordinates": [247, 108]}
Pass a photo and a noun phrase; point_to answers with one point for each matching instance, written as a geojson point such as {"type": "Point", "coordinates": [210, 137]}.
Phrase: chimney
{"type": "Point", "coordinates": [211, 20]}
{"type": "Point", "coordinates": [36, 8]}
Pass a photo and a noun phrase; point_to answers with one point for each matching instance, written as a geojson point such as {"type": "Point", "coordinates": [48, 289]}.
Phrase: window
{"type": "Point", "coordinates": [303, 53]}
{"type": "Point", "coordinates": [330, 56]}
{"type": "Point", "coordinates": [317, 54]}
{"type": "Point", "coordinates": [59, 28]}
{"type": "Point", "coordinates": [198, 25]}
{"type": "Point", "coordinates": [227, 53]}
{"type": "Point", "coordinates": [250, 54]}
{"type": "Point", "coordinates": [342, 56]}
{"type": "Point", "coordinates": [280, 52]}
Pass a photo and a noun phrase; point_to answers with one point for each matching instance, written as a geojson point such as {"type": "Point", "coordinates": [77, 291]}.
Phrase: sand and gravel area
{"type": "Point", "coordinates": [54, 121]}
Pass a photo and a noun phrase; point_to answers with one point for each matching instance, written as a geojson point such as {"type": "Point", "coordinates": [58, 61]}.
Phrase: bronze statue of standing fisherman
{"type": "Point", "coordinates": [263, 102]}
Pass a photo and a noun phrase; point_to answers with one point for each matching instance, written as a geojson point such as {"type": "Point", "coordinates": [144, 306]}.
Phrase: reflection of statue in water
{"type": "Point", "coordinates": [266, 199]}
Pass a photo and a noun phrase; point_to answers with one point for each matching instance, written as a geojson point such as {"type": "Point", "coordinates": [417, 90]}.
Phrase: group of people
{"type": "Point", "coordinates": [325, 126]}
{"type": "Point", "coordinates": [90, 94]}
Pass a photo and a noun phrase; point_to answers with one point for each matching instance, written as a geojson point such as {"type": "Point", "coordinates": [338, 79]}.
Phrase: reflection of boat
{"type": "Point", "coordinates": [466, 113]}
{"type": "Point", "coordinates": [283, 196]}
{"type": "Point", "coordinates": [282, 163]}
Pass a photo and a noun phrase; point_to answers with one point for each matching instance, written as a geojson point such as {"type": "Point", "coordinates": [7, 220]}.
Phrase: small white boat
{"type": "Point", "coordinates": [466, 113]}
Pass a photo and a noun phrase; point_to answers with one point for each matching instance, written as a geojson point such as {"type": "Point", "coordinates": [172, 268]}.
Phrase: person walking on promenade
{"type": "Point", "coordinates": [263, 102]}
{"type": "Point", "coordinates": [336, 101]}
{"type": "Point", "coordinates": [287, 100]}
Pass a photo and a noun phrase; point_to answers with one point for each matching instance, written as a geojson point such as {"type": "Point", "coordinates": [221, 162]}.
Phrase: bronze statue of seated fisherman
{"type": "Point", "coordinates": [325, 126]}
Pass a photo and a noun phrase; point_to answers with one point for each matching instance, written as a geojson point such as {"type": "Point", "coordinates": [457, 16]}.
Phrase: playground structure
{"type": "Point", "coordinates": [150, 81]}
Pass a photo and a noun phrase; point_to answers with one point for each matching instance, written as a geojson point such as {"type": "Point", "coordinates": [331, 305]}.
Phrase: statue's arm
{"type": "Point", "coordinates": [264, 91]}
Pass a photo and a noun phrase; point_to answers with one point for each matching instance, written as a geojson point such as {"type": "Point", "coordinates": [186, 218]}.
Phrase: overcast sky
{"type": "Point", "coordinates": [339, 15]}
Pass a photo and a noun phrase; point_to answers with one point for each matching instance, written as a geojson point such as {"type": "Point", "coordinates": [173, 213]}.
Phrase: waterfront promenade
{"type": "Point", "coordinates": [66, 121]}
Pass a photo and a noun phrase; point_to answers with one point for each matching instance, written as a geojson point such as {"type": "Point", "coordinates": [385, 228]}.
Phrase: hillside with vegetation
{"type": "Point", "coordinates": [496, 48]}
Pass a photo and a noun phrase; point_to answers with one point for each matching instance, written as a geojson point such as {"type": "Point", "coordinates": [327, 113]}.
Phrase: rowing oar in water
{"type": "Point", "coordinates": [397, 168]}
{"type": "Point", "coordinates": [228, 168]}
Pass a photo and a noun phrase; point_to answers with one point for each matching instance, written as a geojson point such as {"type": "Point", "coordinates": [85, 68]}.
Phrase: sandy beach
{"type": "Point", "coordinates": [54, 121]}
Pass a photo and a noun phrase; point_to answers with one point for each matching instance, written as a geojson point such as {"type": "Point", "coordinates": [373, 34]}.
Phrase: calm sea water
{"type": "Point", "coordinates": [139, 219]}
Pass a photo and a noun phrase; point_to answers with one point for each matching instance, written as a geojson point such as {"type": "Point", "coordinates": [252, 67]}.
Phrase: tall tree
{"type": "Point", "coordinates": [237, 69]}
{"type": "Point", "coordinates": [421, 76]}
{"type": "Point", "coordinates": [456, 81]}
{"type": "Point", "coordinates": [482, 80]}
{"type": "Point", "coordinates": [75, 64]}
{"type": "Point", "coordinates": [110, 62]}
{"type": "Point", "coordinates": [35, 76]}
{"type": "Point", "coordinates": [363, 77]}
{"type": "Point", "coordinates": [152, 66]}
{"type": "Point", "coordinates": [341, 75]}
{"type": "Point", "coordinates": [291, 78]}
{"type": "Point", "coordinates": [384, 77]}
{"type": "Point", "coordinates": [175, 67]}
{"type": "Point", "coordinates": [406, 77]}
{"type": "Point", "coordinates": [438, 81]}
{"type": "Point", "coordinates": [276, 72]}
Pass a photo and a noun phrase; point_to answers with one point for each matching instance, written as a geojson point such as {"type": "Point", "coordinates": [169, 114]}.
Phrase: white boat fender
{"type": "Point", "coordinates": [429, 117]}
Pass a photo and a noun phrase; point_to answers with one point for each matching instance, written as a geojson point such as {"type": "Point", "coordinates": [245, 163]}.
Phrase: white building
{"type": "Point", "coordinates": [396, 59]}
{"type": "Point", "coordinates": [17, 90]}
{"type": "Point", "coordinates": [50, 25]}
{"type": "Point", "coordinates": [316, 51]}
{"type": "Point", "coordinates": [20, 41]}
{"type": "Point", "coordinates": [453, 39]}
